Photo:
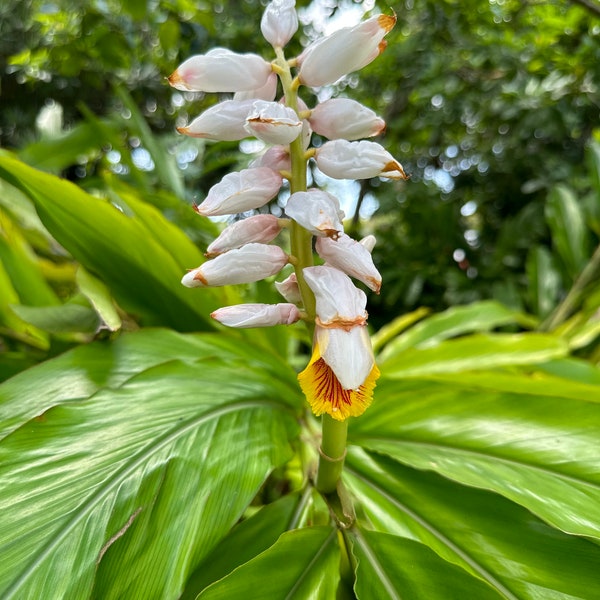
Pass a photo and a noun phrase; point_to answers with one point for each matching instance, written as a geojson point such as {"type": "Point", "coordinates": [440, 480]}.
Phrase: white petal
{"type": "Point", "coordinates": [352, 257]}
{"type": "Point", "coordinates": [241, 191]}
{"type": "Point", "coordinates": [273, 122]}
{"type": "Point", "coordinates": [317, 211]}
{"type": "Point", "coordinates": [348, 353]}
{"type": "Point", "coordinates": [266, 92]}
{"type": "Point", "coordinates": [339, 302]}
{"type": "Point", "coordinates": [289, 289]}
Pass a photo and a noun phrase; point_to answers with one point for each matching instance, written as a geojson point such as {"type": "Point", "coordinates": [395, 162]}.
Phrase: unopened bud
{"type": "Point", "coordinates": [241, 191]}
{"type": "Point", "coordinates": [344, 51]}
{"type": "Point", "coordinates": [224, 121]}
{"type": "Point", "coordinates": [279, 22]}
{"type": "Point", "coordinates": [247, 264]}
{"type": "Point", "coordinates": [258, 228]}
{"type": "Point", "coordinates": [221, 70]}
{"type": "Point", "coordinates": [257, 315]}
{"type": "Point", "coordinates": [341, 159]}
{"type": "Point", "coordinates": [352, 258]}
{"type": "Point", "coordinates": [342, 118]}
{"type": "Point", "coordinates": [317, 211]}
{"type": "Point", "coordinates": [273, 123]}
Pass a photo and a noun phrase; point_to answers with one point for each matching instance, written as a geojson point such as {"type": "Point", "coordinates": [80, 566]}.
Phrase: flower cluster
{"type": "Point", "coordinates": [341, 374]}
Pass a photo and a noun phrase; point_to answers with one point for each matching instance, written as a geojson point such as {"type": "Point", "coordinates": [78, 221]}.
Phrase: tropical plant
{"type": "Point", "coordinates": [154, 454]}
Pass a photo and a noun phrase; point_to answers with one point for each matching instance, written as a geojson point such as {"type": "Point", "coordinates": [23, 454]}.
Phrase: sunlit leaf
{"type": "Point", "coordinates": [128, 490]}
{"type": "Point", "coordinates": [475, 352]}
{"type": "Point", "coordinates": [538, 449]}
{"type": "Point", "coordinates": [488, 536]}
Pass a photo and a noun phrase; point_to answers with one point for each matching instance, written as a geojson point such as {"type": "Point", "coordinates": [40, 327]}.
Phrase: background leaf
{"type": "Point", "coordinates": [111, 478]}
{"type": "Point", "coordinates": [303, 563]}
{"type": "Point", "coordinates": [537, 449]}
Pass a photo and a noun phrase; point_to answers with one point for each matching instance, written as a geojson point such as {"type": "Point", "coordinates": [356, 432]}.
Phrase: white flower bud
{"type": "Point", "coordinates": [276, 158]}
{"type": "Point", "coordinates": [221, 70]}
{"type": "Point", "coordinates": [289, 289]}
{"type": "Point", "coordinates": [339, 303]}
{"type": "Point", "coordinates": [258, 228]}
{"type": "Point", "coordinates": [346, 119]}
{"type": "Point", "coordinates": [266, 92]}
{"type": "Point", "coordinates": [273, 123]}
{"type": "Point", "coordinates": [352, 258]}
{"type": "Point", "coordinates": [249, 263]}
{"type": "Point", "coordinates": [341, 159]}
{"type": "Point", "coordinates": [279, 22]}
{"type": "Point", "coordinates": [257, 315]}
{"type": "Point", "coordinates": [368, 242]}
{"type": "Point", "coordinates": [241, 191]}
{"type": "Point", "coordinates": [344, 51]}
{"type": "Point", "coordinates": [317, 211]}
{"type": "Point", "coordinates": [224, 121]}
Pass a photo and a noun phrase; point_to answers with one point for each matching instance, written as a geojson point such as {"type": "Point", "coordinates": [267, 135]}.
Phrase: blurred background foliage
{"type": "Point", "coordinates": [492, 107]}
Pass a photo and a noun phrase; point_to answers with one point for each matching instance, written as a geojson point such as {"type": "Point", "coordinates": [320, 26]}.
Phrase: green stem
{"type": "Point", "coordinates": [333, 452]}
{"type": "Point", "coordinates": [333, 442]}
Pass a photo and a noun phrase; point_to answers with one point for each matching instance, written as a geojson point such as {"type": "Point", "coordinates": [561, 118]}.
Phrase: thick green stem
{"type": "Point", "coordinates": [333, 452]}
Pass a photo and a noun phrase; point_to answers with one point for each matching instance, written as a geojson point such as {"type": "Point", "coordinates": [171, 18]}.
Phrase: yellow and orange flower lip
{"type": "Point", "coordinates": [325, 393]}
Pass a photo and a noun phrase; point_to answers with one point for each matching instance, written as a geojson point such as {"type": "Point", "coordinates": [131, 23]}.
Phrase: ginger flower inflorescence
{"type": "Point", "coordinates": [341, 373]}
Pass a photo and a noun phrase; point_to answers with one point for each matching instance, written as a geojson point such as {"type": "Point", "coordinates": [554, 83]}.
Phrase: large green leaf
{"type": "Point", "coordinates": [475, 352]}
{"type": "Point", "coordinates": [245, 541]}
{"type": "Point", "coordinates": [127, 489]}
{"type": "Point", "coordinates": [400, 569]}
{"type": "Point", "coordinates": [83, 371]}
{"type": "Point", "coordinates": [538, 449]}
{"type": "Point", "coordinates": [458, 320]}
{"type": "Point", "coordinates": [570, 235]}
{"type": "Point", "coordinates": [488, 536]}
{"type": "Point", "coordinates": [303, 563]}
{"type": "Point", "coordinates": [142, 269]}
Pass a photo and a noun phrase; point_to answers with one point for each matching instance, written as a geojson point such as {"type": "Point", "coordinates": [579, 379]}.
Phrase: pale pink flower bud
{"type": "Point", "coordinates": [353, 258]}
{"type": "Point", "coordinates": [241, 191]}
{"type": "Point", "coordinates": [279, 22]}
{"type": "Point", "coordinates": [368, 242]}
{"type": "Point", "coordinates": [289, 289]}
{"type": "Point", "coordinates": [276, 158]}
{"type": "Point", "coordinates": [348, 353]}
{"type": "Point", "coordinates": [344, 51]}
{"type": "Point", "coordinates": [346, 119]}
{"type": "Point", "coordinates": [317, 211]}
{"type": "Point", "coordinates": [249, 263]}
{"type": "Point", "coordinates": [273, 123]}
{"type": "Point", "coordinates": [221, 70]}
{"type": "Point", "coordinates": [257, 315]}
{"type": "Point", "coordinates": [339, 303]}
{"type": "Point", "coordinates": [258, 228]}
{"type": "Point", "coordinates": [266, 92]}
{"type": "Point", "coordinates": [341, 159]}
{"type": "Point", "coordinates": [224, 121]}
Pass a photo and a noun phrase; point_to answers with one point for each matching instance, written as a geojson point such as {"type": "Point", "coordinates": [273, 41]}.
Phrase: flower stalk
{"type": "Point", "coordinates": [339, 379]}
